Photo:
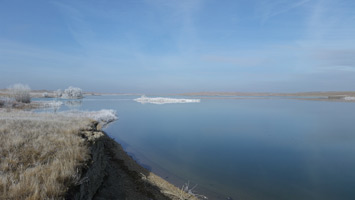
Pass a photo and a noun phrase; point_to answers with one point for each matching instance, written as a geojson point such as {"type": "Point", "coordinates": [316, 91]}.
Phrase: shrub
{"type": "Point", "coordinates": [20, 92]}
{"type": "Point", "coordinates": [6, 102]}
{"type": "Point", "coordinates": [58, 93]}
{"type": "Point", "coordinates": [73, 93]}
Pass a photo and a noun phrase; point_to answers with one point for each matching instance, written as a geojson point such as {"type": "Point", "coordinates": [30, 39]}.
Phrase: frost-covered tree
{"type": "Point", "coordinates": [72, 93]}
{"type": "Point", "coordinates": [58, 93]}
{"type": "Point", "coordinates": [20, 92]}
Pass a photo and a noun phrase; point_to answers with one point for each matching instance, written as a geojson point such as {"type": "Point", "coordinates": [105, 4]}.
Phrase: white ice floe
{"type": "Point", "coordinates": [161, 100]}
{"type": "Point", "coordinates": [349, 98]}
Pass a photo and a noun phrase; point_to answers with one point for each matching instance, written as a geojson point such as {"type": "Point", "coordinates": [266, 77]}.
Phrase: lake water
{"type": "Point", "coordinates": [241, 148]}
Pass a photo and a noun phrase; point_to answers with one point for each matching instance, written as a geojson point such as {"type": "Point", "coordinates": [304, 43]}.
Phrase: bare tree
{"type": "Point", "coordinates": [20, 92]}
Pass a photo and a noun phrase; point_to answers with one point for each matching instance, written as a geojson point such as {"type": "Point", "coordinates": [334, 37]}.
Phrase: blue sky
{"type": "Point", "coordinates": [168, 46]}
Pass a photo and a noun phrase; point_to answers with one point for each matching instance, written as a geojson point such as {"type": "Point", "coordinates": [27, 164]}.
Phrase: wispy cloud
{"type": "Point", "coordinates": [330, 35]}
{"type": "Point", "coordinates": [77, 25]}
{"type": "Point", "coordinates": [10, 50]}
{"type": "Point", "coordinates": [182, 16]}
{"type": "Point", "coordinates": [272, 8]}
{"type": "Point", "coordinates": [331, 21]}
{"type": "Point", "coordinates": [342, 59]}
{"type": "Point", "coordinates": [237, 61]}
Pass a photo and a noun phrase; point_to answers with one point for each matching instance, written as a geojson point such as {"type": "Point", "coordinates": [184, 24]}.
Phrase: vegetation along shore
{"type": "Point", "coordinates": [67, 155]}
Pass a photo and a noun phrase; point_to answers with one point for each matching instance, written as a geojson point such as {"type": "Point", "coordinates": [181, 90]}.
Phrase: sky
{"type": "Point", "coordinates": [173, 46]}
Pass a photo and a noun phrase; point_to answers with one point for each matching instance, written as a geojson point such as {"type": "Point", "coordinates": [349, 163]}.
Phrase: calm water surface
{"type": "Point", "coordinates": [242, 148]}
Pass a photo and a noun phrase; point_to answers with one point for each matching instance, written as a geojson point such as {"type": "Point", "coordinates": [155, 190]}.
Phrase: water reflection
{"type": "Point", "coordinates": [73, 103]}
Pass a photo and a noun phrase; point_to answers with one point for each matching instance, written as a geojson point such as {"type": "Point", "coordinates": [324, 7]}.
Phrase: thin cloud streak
{"type": "Point", "coordinates": [271, 8]}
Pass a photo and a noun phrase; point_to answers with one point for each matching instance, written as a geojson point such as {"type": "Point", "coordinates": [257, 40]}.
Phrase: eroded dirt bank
{"type": "Point", "coordinates": [112, 174]}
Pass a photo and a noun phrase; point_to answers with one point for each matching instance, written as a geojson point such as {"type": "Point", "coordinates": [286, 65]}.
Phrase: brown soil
{"type": "Point", "coordinates": [112, 174]}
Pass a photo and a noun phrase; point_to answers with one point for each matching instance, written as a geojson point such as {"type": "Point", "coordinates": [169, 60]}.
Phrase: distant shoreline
{"type": "Point", "coordinates": [334, 96]}
{"type": "Point", "coordinates": [241, 94]}
{"type": "Point", "coordinates": [315, 96]}
{"type": "Point", "coordinates": [305, 94]}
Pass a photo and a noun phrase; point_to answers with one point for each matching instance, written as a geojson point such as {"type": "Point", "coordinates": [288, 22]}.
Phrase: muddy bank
{"type": "Point", "coordinates": [112, 174]}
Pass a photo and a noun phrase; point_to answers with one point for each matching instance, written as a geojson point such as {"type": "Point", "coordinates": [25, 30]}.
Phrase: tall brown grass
{"type": "Point", "coordinates": [41, 154]}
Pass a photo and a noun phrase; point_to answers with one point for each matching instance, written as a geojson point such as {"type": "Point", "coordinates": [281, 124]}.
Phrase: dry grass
{"type": "Point", "coordinates": [41, 154]}
{"type": "Point", "coordinates": [175, 193]}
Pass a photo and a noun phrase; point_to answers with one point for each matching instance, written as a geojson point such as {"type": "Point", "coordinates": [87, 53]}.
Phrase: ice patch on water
{"type": "Point", "coordinates": [349, 98]}
{"type": "Point", "coordinates": [162, 100]}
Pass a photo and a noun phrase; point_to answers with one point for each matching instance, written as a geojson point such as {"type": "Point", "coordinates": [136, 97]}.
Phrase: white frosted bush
{"type": "Point", "coordinates": [58, 93]}
{"type": "Point", "coordinates": [72, 93]}
{"type": "Point", "coordinates": [102, 116]}
{"type": "Point", "coordinates": [20, 92]}
{"type": "Point", "coordinates": [6, 102]}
